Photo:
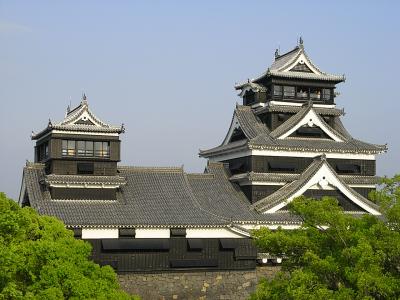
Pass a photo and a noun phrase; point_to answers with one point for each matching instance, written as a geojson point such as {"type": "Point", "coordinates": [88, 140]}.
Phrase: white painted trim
{"type": "Point", "coordinates": [84, 132]}
{"type": "Point", "coordinates": [261, 183]}
{"type": "Point", "coordinates": [99, 233]}
{"type": "Point", "coordinates": [149, 233]}
{"type": "Point", "coordinates": [210, 233]}
{"type": "Point", "coordinates": [323, 177]}
{"type": "Point", "coordinates": [279, 153]}
{"type": "Point", "coordinates": [311, 119]}
{"type": "Point", "coordinates": [258, 104]}
{"type": "Point", "coordinates": [85, 185]}
{"type": "Point", "coordinates": [270, 226]}
{"type": "Point", "coordinates": [234, 125]}
{"type": "Point", "coordinates": [367, 186]}
{"type": "Point", "coordinates": [244, 181]}
{"type": "Point", "coordinates": [287, 103]}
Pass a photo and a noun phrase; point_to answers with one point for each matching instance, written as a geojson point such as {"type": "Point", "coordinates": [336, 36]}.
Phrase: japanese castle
{"type": "Point", "coordinates": [286, 140]}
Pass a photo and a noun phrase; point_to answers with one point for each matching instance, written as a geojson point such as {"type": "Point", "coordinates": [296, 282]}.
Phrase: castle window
{"type": "Point", "coordinates": [289, 91]}
{"type": "Point", "coordinates": [42, 151]}
{"type": "Point", "coordinates": [315, 94]}
{"type": "Point", "coordinates": [68, 148]}
{"type": "Point", "coordinates": [102, 149]}
{"type": "Point", "coordinates": [326, 94]}
{"type": "Point", "coordinates": [302, 92]}
{"type": "Point", "coordinates": [85, 168]}
{"type": "Point", "coordinates": [277, 90]}
{"type": "Point", "coordinates": [85, 148]}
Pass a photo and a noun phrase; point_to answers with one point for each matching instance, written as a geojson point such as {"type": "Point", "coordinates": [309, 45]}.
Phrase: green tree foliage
{"type": "Point", "coordinates": [334, 255]}
{"type": "Point", "coordinates": [40, 259]}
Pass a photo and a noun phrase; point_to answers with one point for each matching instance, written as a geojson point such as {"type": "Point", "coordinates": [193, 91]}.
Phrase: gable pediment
{"type": "Point", "coordinates": [310, 123]}
{"type": "Point", "coordinates": [306, 131]}
{"type": "Point", "coordinates": [323, 178]}
{"type": "Point", "coordinates": [300, 63]}
{"type": "Point", "coordinates": [301, 67]}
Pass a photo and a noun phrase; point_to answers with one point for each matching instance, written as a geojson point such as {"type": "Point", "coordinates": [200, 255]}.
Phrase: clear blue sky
{"type": "Point", "coordinates": [167, 69]}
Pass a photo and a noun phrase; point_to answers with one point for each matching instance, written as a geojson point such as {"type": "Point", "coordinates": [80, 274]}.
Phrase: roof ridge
{"type": "Point", "coordinates": [152, 169]}
{"type": "Point", "coordinates": [289, 52]}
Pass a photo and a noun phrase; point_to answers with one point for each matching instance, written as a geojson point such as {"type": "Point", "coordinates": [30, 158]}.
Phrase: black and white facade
{"type": "Point", "coordinates": [286, 140]}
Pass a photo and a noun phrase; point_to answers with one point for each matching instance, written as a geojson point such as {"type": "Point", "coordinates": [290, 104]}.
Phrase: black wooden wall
{"type": "Point", "coordinates": [174, 254]}
{"type": "Point", "coordinates": [279, 164]}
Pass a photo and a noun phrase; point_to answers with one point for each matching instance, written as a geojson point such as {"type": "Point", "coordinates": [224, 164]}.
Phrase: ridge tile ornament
{"type": "Point", "coordinates": [286, 139]}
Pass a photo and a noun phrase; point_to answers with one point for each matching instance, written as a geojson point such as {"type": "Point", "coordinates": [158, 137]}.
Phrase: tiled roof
{"type": "Point", "coordinates": [283, 62]}
{"type": "Point", "coordinates": [294, 120]}
{"type": "Point", "coordinates": [158, 197]}
{"type": "Point", "coordinates": [291, 188]}
{"type": "Point", "coordinates": [249, 122]}
{"type": "Point", "coordinates": [155, 197]}
{"type": "Point", "coordinates": [71, 122]}
{"type": "Point", "coordinates": [259, 137]}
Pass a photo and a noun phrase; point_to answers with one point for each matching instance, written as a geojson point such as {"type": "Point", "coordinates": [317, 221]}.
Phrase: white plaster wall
{"type": "Point", "coordinates": [99, 233]}
{"type": "Point", "coordinates": [149, 233]}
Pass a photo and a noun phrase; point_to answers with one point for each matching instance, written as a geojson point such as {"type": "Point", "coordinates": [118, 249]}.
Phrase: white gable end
{"type": "Point", "coordinates": [311, 119]}
{"type": "Point", "coordinates": [325, 179]}
{"type": "Point", "coordinates": [302, 59]}
{"type": "Point", "coordinates": [234, 125]}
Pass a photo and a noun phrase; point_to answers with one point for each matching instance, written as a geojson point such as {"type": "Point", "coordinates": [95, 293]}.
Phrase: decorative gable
{"type": "Point", "coordinates": [301, 63]}
{"type": "Point", "coordinates": [301, 67]}
{"type": "Point", "coordinates": [307, 121]}
{"type": "Point", "coordinates": [321, 177]}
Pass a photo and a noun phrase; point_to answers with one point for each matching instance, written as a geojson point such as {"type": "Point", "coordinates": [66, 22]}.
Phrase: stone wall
{"type": "Point", "coordinates": [235, 285]}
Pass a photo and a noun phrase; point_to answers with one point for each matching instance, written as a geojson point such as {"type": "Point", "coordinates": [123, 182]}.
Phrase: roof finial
{"type": "Point", "coordinates": [301, 42]}
{"type": "Point", "coordinates": [84, 99]}
{"type": "Point", "coordinates": [276, 53]}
